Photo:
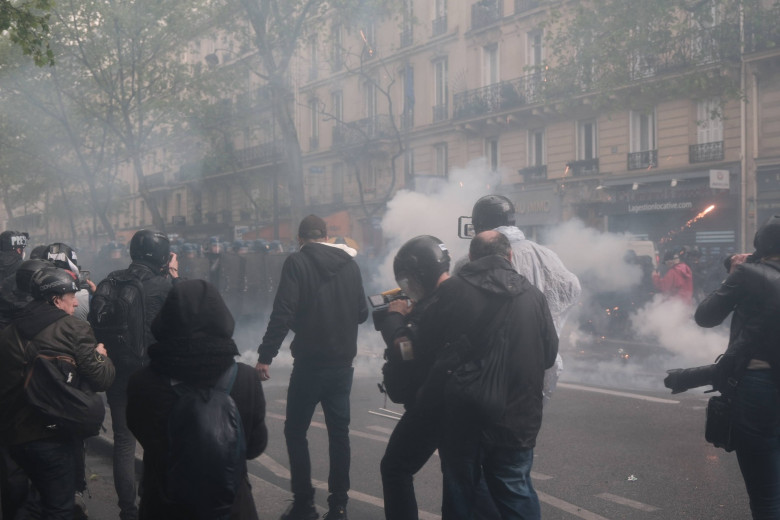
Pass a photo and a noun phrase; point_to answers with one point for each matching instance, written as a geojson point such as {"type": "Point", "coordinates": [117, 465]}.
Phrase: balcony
{"type": "Point", "coordinates": [486, 12]}
{"type": "Point", "coordinates": [533, 173]}
{"type": "Point", "coordinates": [407, 37]}
{"type": "Point", "coordinates": [498, 96]}
{"type": "Point", "coordinates": [155, 180]}
{"type": "Point", "coordinates": [643, 160]}
{"type": "Point", "coordinates": [363, 130]}
{"type": "Point", "coordinates": [705, 152]}
{"type": "Point", "coordinates": [440, 112]}
{"type": "Point", "coordinates": [583, 167]}
{"type": "Point", "coordinates": [522, 6]}
{"type": "Point", "coordinates": [439, 26]}
{"type": "Point", "coordinates": [179, 220]}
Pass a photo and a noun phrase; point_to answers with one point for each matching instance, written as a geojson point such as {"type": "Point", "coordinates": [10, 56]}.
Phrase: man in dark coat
{"type": "Point", "coordinates": [484, 292]}
{"type": "Point", "coordinates": [194, 331]}
{"type": "Point", "coordinates": [321, 299]}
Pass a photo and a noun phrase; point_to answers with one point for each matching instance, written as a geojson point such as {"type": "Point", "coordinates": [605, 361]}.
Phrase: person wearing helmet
{"type": "Point", "coordinates": [12, 245]}
{"type": "Point", "coordinates": [539, 264]}
{"type": "Point", "coordinates": [154, 266]}
{"type": "Point", "coordinates": [420, 266]}
{"type": "Point", "coordinates": [64, 257]}
{"type": "Point", "coordinates": [320, 297]}
{"type": "Point", "coordinates": [48, 456]}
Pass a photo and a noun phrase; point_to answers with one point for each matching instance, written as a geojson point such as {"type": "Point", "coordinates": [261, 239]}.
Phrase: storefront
{"type": "Point", "coordinates": [537, 207]}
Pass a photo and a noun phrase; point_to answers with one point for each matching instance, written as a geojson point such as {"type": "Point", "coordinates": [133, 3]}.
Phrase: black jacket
{"type": "Point", "coordinates": [462, 302]}
{"type": "Point", "coordinates": [752, 292]}
{"type": "Point", "coordinates": [149, 399]}
{"type": "Point", "coordinates": [321, 299]}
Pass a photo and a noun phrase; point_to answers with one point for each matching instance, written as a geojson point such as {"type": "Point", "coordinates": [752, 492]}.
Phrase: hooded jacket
{"type": "Point", "coordinates": [321, 299]}
{"type": "Point", "coordinates": [676, 283]}
{"type": "Point", "coordinates": [194, 331]}
{"type": "Point", "coordinates": [752, 292]}
{"type": "Point", "coordinates": [530, 334]}
{"type": "Point", "coordinates": [41, 326]}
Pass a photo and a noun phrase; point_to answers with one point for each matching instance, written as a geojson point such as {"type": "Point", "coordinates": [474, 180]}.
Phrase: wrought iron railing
{"type": "Point", "coordinates": [486, 12]}
{"type": "Point", "coordinates": [498, 96]}
{"type": "Point", "coordinates": [407, 37]}
{"type": "Point", "coordinates": [583, 167]}
{"type": "Point", "coordinates": [643, 160]}
{"type": "Point", "coordinates": [534, 173]}
{"type": "Point", "coordinates": [363, 130]}
{"type": "Point", "coordinates": [439, 26]}
{"type": "Point", "coordinates": [522, 6]}
{"type": "Point", "coordinates": [705, 152]}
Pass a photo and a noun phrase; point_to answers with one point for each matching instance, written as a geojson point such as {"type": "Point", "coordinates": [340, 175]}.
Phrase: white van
{"type": "Point", "coordinates": [644, 248]}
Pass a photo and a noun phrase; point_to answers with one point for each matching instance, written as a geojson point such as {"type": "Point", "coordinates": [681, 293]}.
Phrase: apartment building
{"type": "Point", "coordinates": [399, 103]}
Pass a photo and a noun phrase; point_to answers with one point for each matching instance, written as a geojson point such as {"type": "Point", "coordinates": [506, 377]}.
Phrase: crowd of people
{"type": "Point", "coordinates": [481, 337]}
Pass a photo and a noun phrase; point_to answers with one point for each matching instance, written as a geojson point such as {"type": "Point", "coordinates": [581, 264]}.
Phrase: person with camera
{"type": "Point", "coordinates": [752, 292]}
{"type": "Point", "coordinates": [420, 266]}
{"type": "Point", "coordinates": [121, 314]}
{"type": "Point", "coordinates": [47, 454]}
{"type": "Point", "coordinates": [488, 308]}
{"type": "Point", "coordinates": [64, 257]}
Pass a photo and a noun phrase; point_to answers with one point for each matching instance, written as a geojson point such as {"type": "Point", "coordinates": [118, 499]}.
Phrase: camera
{"type": "Point", "coordinates": [381, 302]}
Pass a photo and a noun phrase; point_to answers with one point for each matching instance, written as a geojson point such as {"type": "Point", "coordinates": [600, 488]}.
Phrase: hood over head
{"type": "Point", "coordinates": [767, 239]}
{"type": "Point", "coordinates": [193, 309]}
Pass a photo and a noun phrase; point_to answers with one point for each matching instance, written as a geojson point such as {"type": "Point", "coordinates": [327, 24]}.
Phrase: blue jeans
{"type": "Point", "coordinates": [757, 441]}
{"type": "Point", "coordinates": [124, 450]}
{"type": "Point", "coordinates": [465, 459]}
{"type": "Point", "coordinates": [51, 466]}
{"type": "Point", "coordinates": [330, 387]}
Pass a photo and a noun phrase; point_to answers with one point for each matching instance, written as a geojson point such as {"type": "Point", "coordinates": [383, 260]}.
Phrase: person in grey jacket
{"type": "Point", "coordinates": [46, 454]}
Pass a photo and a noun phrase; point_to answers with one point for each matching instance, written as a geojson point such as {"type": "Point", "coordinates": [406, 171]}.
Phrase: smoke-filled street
{"type": "Point", "coordinates": [617, 453]}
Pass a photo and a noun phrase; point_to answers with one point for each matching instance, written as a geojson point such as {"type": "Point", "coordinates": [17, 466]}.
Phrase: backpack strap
{"type": "Point", "coordinates": [226, 380]}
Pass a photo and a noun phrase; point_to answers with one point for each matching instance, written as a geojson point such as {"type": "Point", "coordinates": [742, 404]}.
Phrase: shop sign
{"type": "Point", "coordinates": [719, 179]}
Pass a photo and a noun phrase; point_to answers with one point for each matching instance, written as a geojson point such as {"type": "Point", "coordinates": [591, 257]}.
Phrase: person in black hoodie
{"type": "Point", "coordinates": [486, 301]}
{"type": "Point", "coordinates": [194, 332]}
{"type": "Point", "coordinates": [321, 299]}
{"type": "Point", "coordinates": [752, 292]}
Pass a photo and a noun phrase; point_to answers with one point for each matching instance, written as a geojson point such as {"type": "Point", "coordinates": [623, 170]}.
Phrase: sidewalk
{"type": "Point", "coordinates": [270, 500]}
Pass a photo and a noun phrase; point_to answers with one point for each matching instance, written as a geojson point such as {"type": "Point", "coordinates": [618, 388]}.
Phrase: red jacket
{"type": "Point", "coordinates": [677, 282]}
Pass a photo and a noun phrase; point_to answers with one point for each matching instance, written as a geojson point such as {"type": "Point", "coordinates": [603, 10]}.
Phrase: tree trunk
{"type": "Point", "coordinates": [292, 150]}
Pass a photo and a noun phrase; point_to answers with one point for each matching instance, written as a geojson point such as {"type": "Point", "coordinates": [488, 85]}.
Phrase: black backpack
{"type": "Point", "coordinates": [117, 316]}
{"type": "Point", "coordinates": [206, 448]}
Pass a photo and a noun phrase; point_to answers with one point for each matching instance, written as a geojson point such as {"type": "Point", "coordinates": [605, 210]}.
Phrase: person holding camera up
{"type": "Point", "coordinates": [64, 257]}
{"type": "Point", "coordinates": [121, 314]}
{"type": "Point", "coordinates": [420, 266]}
{"type": "Point", "coordinates": [752, 292]}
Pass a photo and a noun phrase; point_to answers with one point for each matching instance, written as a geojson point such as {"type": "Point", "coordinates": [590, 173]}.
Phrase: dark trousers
{"type": "Point", "coordinates": [330, 387]}
{"type": "Point", "coordinates": [757, 439]}
{"type": "Point", "coordinates": [411, 444]}
{"type": "Point", "coordinates": [14, 485]}
{"type": "Point", "coordinates": [51, 466]}
{"type": "Point", "coordinates": [124, 450]}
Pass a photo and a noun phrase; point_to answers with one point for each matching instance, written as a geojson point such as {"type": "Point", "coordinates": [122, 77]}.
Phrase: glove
{"type": "Point", "coordinates": [681, 379]}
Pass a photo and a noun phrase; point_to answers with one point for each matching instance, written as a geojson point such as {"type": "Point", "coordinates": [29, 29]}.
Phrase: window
{"type": "Point", "coordinates": [369, 89]}
{"type": "Point", "coordinates": [709, 122]}
{"type": "Point", "coordinates": [490, 65]}
{"type": "Point", "coordinates": [586, 140]}
{"type": "Point", "coordinates": [338, 182]}
{"type": "Point", "coordinates": [368, 33]}
{"type": "Point", "coordinates": [337, 106]}
{"type": "Point", "coordinates": [642, 131]}
{"type": "Point", "coordinates": [408, 109]}
{"type": "Point", "coordinates": [536, 155]}
{"type": "Point", "coordinates": [491, 153]}
{"type": "Point", "coordinates": [368, 178]}
{"type": "Point", "coordinates": [315, 124]}
{"type": "Point", "coordinates": [336, 48]}
{"type": "Point", "coordinates": [439, 25]}
{"type": "Point", "coordinates": [440, 82]}
{"type": "Point", "coordinates": [440, 151]}
{"type": "Point", "coordinates": [313, 65]}
{"type": "Point", "coordinates": [409, 163]}
{"type": "Point", "coordinates": [535, 54]}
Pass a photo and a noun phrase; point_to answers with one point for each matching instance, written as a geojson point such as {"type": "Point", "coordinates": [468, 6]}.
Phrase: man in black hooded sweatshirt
{"type": "Point", "coordinates": [321, 299]}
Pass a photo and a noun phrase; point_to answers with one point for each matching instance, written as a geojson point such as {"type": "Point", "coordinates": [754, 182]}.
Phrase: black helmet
{"type": "Point", "coordinates": [492, 211]}
{"type": "Point", "coordinates": [39, 252]}
{"type": "Point", "coordinates": [151, 247]}
{"type": "Point", "coordinates": [13, 240]}
{"type": "Point", "coordinates": [52, 281]}
{"type": "Point", "coordinates": [419, 264]}
{"type": "Point", "coordinates": [62, 256]}
{"type": "Point", "coordinates": [26, 271]}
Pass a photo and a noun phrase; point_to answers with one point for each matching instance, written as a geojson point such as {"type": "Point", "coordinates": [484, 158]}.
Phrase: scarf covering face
{"type": "Point", "coordinates": [194, 331]}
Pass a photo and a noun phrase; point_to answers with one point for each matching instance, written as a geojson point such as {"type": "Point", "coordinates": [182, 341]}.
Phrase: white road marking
{"type": "Point", "coordinates": [627, 502]}
{"type": "Point", "coordinates": [617, 393]}
{"type": "Point", "coordinates": [380, 429]}
{"type": "Point", "coordinates": [352, 433]}
{"type": "Point", "coordinates": [569, 508]}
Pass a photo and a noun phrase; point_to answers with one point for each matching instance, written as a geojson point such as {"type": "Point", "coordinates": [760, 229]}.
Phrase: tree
{"type": "Point", "coordinates": [27, 24]}
{"type": "Point", "coordinates": [122, 64]}
{"type": "Point", "coordinates": [626, 51]}
{"type": "Point", "coordinates": [278, 29]}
